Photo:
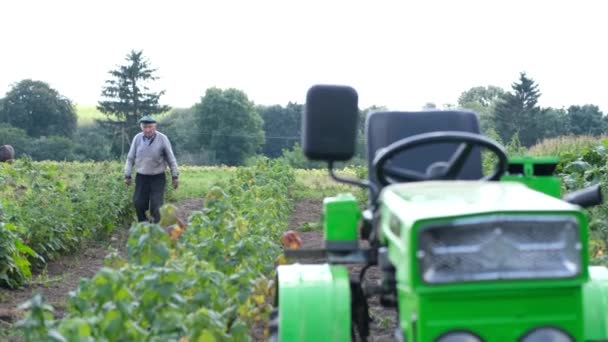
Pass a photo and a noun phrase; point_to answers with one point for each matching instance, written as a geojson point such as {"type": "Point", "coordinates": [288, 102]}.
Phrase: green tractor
{"type": "Point", "coordinates": [463, 256]}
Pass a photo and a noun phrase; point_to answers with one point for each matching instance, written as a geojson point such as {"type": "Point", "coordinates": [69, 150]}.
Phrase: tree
{"type": "Point", "coordinates": [482, 100]}
{"type": "Point", "coordinates": [182, 126]}
{"type": "Point", "coordinates": [38, 109]}
{"type": "Point", "coordinates": [518, 112]}
{"type": "Point", "coordinates": [485, 97]}
{"type": "Point", "coordinates": [127, 97]}
{"type": "Point", "coordinates": [586, 120]}
{"type": "Point", "coordinates": [429, 106]}
{"type": "Point", "coordinates": [551, 123]}
{"type": "Point", "coordinates": [91, 144]}
{"type": "Point", "coordinates": [281, 126]}
{"type": "Point", "coordinates": [52, 148]}
{"type": "Point", "coordinates": [15, 137]}
{"type": "Point", "coordinates": [229, 125]}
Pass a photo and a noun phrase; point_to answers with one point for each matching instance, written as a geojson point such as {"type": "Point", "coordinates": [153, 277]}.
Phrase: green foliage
{"type": "Point", "coordinates": [88, 143]}
{"type": "Point", "coordinates": [54, 147]}
{"type": "Point", "coordinates": [296, 158]}
{"type": "Point", "coordinates": [567, 147]}
{"type": "Point", "coordinates": [281, 126]}
{"type": "Point", "coordinates": [51, 208]}
{"type": "Point", "coordinates": [586, 120]}
{"type": "Point", "coordinates": [551, 123]}
{"type": "Point", "coordinates": [482, 100]}
{"type": "Point", "coordinates": [229, 125]}
{"type": "Point", "coordinates": [514, 147]}
{"type": "Point", "coordinates": [91, 143]}
{"type": "Point", "coordinates": [14, 257]}
{"type": "Point", "coordinates": [87, 115]}
{"type": "Point", "coordinates": [15, 137]}
{"type": "Point", "coordinates": [210, 283]}
{"type": "Point", "coordinates": [589, 168]}
{"type": "Point", "coordinates": [518, 112]}
{"type": "Point", "coordinates": [486, 97]}
{"type": "Point", "coordinates": [195, 181]}
{"type": "Point", "coordinates": [38, 109]}
{"type": "Point", "coordinates": [126, 97]}
{"type": "Point", "coordinates": [181, 126]}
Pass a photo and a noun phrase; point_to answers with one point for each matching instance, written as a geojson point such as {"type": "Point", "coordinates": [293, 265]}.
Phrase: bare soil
{"type": "Point", "coordinates": [57, 279]}
{"type": "Point", "coordinates": [384, 320]}
{"type": "Point", "coordinates": [63, 275]}
{"type": "Point", "coordinates": [186, 207]}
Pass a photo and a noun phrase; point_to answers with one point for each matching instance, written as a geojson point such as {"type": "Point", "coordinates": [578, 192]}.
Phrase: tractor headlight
{"type": "Point", "coordinates": [458, 336]}
{"type": "Point", "coordinates": [500, 247]}
{"type": "Point", "coordinates": [546, 335]}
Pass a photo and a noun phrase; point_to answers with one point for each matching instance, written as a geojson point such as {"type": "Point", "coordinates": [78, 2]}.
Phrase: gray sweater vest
{"type": "Point", "coordinates": [151, 159]}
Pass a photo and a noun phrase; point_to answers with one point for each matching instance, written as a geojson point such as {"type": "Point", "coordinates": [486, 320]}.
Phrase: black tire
{"type": "Point", "coordinates": [273, 326]}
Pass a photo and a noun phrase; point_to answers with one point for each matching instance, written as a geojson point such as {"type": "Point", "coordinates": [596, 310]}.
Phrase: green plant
{"type": "Point", "coordinates": [51, 208]}
{"type": "Point", "coordinates": [209, 283]}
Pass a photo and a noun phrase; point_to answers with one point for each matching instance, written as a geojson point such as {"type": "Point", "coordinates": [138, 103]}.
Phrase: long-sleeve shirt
{"type": "Point", "coordinates": [151, 157]}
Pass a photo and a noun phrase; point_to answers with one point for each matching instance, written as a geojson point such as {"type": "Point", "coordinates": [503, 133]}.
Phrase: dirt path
{"type": "Point", "coordinates": [63, 275]}
{"type": "Point", "coordinates": [59, 278]}
{"type": "Point", "coordinates": [384, 320]}
{"type": "Point", "coordinates": [186, 207]}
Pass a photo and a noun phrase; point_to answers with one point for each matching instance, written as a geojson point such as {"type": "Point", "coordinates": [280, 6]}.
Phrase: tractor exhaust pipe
{"type": "Point", "coordinates": [587, 197]}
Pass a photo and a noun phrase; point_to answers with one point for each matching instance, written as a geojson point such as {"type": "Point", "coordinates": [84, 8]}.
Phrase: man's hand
{"type": "Point", "coordinates": [175, 183]}
{"type": "Point", "coordinates": [128, 181]}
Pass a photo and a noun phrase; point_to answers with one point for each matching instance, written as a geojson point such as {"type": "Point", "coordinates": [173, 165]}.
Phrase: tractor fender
{"type": "Point", "coordinates": [314, 303]}
{"type": "Point", "coordinates": [595, 301]}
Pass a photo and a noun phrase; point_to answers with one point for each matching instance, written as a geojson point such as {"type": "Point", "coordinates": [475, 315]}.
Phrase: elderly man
{"type": "Point", "coordinates": [151, 153]}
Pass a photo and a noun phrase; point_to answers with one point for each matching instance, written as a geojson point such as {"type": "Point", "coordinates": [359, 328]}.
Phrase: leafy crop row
{"type": "Point", "coordinates": [208, 283]}
{"type": "Point", "coordinates": [49, 208]}
{"type": "Point", "coordinates": [579, 170]}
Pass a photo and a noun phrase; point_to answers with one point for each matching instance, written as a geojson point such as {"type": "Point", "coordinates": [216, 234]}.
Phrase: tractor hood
{"type": "Point", "coordinates": [413, 202]}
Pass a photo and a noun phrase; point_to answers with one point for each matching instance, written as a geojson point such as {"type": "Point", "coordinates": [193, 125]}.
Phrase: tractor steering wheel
{"type": "Point", "coordinates": [387, 174]}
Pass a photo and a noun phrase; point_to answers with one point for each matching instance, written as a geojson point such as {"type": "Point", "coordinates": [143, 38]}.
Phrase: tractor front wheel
{"type": "Point", "coordinates": [273, 326]}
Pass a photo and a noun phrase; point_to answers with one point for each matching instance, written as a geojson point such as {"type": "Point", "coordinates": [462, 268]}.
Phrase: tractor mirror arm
{"type": "Point", "coordinates": [587, 197]}
{"type": "Point", "coordinates": [358, 182]}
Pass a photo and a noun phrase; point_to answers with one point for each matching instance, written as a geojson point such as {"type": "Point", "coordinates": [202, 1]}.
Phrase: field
{"type": "Point", "coordinates": [208, 279]}
{"type": "Point", "coordinates": [88, 114]}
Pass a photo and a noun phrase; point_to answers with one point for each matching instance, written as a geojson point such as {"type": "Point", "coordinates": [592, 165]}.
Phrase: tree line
{"type": "Point", "coordinates": [226, 127]}
{"type": "Point", "coordinates": [515, 114]}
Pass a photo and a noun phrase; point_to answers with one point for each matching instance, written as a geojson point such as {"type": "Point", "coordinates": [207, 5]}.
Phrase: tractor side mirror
{"type": "Point", "coordinates": [587, 197]}
{"type": "Point", "coordinates": [329, 123]}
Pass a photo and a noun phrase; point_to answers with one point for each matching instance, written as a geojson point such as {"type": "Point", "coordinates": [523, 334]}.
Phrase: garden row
{"type": "Point", "coordinates": [50, 208]}
{"type": "Point", "coordinates": [211, 282]}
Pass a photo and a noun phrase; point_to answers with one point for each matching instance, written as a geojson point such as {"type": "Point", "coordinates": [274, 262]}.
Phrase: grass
{"type": "Point", "coordinates": [565, 145]}
{"type": "Point", "coordinates": [43, 279]}
{"type": "Point", "coordinates": [317, 184]}
{"type": "Point", "coordinates": [311, 226]}
{"type": "Point", "coordinates": [195, 181]}
{"type": "Point", "coordinates": [88, 114]}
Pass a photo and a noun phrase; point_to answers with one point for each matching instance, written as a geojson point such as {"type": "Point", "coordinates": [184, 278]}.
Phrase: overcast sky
{"type": "Point", "coordinates": [401, 54]}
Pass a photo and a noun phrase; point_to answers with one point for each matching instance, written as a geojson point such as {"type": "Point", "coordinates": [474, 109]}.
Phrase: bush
{"type": "Point", "coordinates": [15, 137]}
{"type": "Point", "coordinates": [50, 208]}
{"type": "Point", "coordinates": [52, 148]}
{"type": "Point", "coordinates": [92, 144]}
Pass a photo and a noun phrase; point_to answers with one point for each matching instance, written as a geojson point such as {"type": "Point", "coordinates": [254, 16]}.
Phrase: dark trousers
{"type": "Point", "coordinates": [149, 194]}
